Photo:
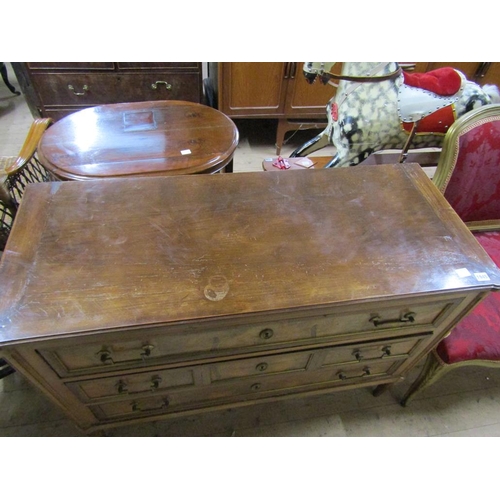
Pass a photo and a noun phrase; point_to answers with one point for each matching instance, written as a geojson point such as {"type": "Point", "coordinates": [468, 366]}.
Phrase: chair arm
{"type": "Point", "coordinates": [35, 133]}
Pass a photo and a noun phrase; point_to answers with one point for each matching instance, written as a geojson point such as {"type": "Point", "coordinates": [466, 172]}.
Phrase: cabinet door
{"type": "Point", "coordinates": [253, 88]}
{"type": "Point", "coordinates": [306, 99]}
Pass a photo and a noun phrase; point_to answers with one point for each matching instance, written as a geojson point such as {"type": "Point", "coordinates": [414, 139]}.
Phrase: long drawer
{"type": "Point", "coordinates": [156, 346]}
{"type": "Point", "coordinates": [170, 381]}
{"type": "Point", "coordinates": [92, 89]}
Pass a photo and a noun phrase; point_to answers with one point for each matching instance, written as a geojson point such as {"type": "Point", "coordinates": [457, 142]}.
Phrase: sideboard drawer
{"type": "Point", "coordinates": [370, 351]}
{"type": "Point", "coordinates": [66, 89]}
{"type": "Point", "coordinates": [161, 346]}
{"type": "Point", "coordinates": [136, 384]}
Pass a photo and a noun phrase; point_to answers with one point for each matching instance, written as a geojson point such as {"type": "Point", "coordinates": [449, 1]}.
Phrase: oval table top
{"type": "Point", "coordinates": [140, 138]}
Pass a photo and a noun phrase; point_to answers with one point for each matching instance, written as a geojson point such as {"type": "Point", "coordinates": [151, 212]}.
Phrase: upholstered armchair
{"type": "Point", "coordinates": [468, 175]}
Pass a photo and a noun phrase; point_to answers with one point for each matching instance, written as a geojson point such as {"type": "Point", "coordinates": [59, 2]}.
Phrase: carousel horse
{"type": "Point", "coordinates": [378, 106]}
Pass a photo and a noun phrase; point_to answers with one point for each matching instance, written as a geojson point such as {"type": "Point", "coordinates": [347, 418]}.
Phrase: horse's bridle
{"type": "Point", "coordinates": [326, 76]}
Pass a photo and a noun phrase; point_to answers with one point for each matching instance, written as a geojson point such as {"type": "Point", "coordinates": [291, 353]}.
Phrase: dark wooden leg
{"type": "Point", "coordinates": [5, 78]}
{"type": "Point", "coordinates": [228, 169]}
{"type": "Point", "coordinates": [380, 389]}
{"type": "Point", "coordinates": [432, 370]}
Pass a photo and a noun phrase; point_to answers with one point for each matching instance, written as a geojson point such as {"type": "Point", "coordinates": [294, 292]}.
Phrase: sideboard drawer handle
{"type": "Point", "coordinates": [387, 351]}
{"type": "Point", "coordinates": [84, 90]}
{"type": "Point", "coordinates": [122, 387]}
{"type": "Point", "coordinates": [255, 387]}
{"type": "Point", "coordinates": [155, 382]}
{"type": "Point", "coordinates": [265, 334]}
{"type": "Point", "coordinates": [405, 318]}
{"type": "Point", "coordinates": [261, 367]}
{"type": "Point", "coordinates": [366, 372]}
{"type": "Point", "coordinates": [146, 351]}
{"type": "Point", "coordinates": [137, 407]}
{"type": "Point", "coordinates": [154, 86]}
{"type": "Point", "coordinates": [357, 354]}
{"type": "Point", "coordinates": [105, 357]}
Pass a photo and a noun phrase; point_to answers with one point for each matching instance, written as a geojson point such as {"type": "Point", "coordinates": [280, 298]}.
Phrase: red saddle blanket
{"type": "Point", "coordinates": [442, 81]}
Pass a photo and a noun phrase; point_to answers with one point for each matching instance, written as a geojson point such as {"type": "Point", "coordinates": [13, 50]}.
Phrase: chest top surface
{"type": "Point", "coordinates": [98, 255]}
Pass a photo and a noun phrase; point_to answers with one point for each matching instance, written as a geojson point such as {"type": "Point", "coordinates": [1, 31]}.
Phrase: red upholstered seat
{"type": "Point", "coordinates": [477, 336]}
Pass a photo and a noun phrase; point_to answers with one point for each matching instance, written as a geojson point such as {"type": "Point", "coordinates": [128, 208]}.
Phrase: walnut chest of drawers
{"type": "Point", "coordinates": [132, 300]}
{"type": "Point", "coordinates": [56, 89]}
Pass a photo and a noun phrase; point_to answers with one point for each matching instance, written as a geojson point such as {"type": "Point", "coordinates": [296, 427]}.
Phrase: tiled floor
{"type": "Point", "coordinates": [464, 403]}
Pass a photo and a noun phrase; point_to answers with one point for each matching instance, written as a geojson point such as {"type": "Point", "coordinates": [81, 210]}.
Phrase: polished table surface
{"type": "Point", "coordinates": [142, 138]}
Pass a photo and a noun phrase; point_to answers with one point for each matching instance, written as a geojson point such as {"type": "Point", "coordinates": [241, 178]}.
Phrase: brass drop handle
{"type": "Point", "coordinates": [168, 86]}
{"type": "Point", "coordinates": [366, 372]}
{"type": "Point", "coordinates": [138, 407]}
{"type": "Point", "coordinates": [146, 351]}
{"type": "Point", "coordinates": [122, 387]}
{"type": "Point", "coordinates": [405, 318]}
{"type": "Point", "coordinates": [265, 334]}
{"type": "Point", "coordinates": [387, 351]}
{"type": "Point", "coordinates": [84, 89]}
{"type": "Point", "coordinates": [155, 382]}
{"type": "Point", "coordinates": [105, 357]}
{"type": "Point", "coordinates": [357, 354]}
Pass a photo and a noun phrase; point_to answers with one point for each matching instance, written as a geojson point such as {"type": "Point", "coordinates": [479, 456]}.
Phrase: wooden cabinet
{"type": "Point", "coordinates": [320, 281]}
{"type": "Point", "coordinates": [57, 89]}
{"type": "Point", "coordinates": [271, 90]}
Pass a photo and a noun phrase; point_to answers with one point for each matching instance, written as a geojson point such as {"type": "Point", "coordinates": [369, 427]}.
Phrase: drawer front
{"type": "Point", "coordinates": [158, 346]}
{"type": "Point", "coordinates": [166, 382]}
{"type": "Point", "coordinates": [246, 390]}
{"type": "Point", "coordinates": [263, 365]}
{"type": "Point", "coordinates": [137, 384]}
{"type": "Point", "coordinates": [365, 352]}
{"type": "Point", "coordinates": [79, 89]}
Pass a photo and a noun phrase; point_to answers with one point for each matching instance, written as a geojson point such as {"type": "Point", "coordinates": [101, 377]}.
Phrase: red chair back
{"type": "Point", "coordinates": [468, 173]}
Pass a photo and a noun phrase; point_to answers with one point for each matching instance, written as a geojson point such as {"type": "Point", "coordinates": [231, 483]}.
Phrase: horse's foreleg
{"type": "Point", "coordinates": [334, 162]}
{"type": "Point", "coordinates": [320, 141]}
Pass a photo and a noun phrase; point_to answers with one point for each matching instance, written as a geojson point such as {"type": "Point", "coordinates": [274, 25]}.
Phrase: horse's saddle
{"type": "Point", "coordinates": [426, 99]}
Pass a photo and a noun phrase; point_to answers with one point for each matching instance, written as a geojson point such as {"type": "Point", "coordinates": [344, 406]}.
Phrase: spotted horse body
{"type": "Point", "coordinates": [377, 106]}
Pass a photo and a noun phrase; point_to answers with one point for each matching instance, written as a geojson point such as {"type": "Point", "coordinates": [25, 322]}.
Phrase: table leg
{"type": "Point", "coordinates": [228, 169]}
{"type": "Point", "coordinates": [380, 389]}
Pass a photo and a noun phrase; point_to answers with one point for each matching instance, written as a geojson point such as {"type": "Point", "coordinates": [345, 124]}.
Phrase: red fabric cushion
{"type": "Point", "coordinates": [477, 336]}
{"type": "Point", "coordinates": [474, 187]}
{"type": "Point", "coordinates": [441, 81]}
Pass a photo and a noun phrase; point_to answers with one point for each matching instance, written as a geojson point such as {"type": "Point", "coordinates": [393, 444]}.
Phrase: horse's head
{"type": "Point", "coordinates": [313, 69]}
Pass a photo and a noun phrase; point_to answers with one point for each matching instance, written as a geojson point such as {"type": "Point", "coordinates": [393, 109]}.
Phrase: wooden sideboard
{"type": "Point", "coordinates": [132, 300]}
{"type": "Point", "coordinates": [56, 89]}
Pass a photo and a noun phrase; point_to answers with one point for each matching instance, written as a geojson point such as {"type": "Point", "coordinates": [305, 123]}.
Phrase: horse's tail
{"type": "Point", "coordinates": [492, 92]}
